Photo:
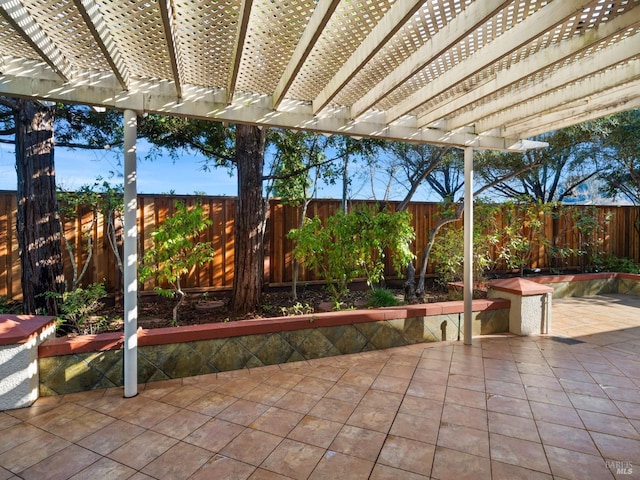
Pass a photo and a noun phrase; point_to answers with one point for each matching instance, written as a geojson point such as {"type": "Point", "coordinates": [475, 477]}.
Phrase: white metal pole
{"type": "Point", "coordinates": [468, 244]}
{"type": "Point", "coordinates": [130, 257]}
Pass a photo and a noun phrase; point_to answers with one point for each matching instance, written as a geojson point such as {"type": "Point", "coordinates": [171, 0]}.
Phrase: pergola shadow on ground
{"type": "Point", "coordinates": [565, 405]}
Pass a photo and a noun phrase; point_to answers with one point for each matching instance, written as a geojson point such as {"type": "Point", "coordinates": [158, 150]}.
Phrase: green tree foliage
{"type": "Point", "coordinates": [176, 250]}
{"type": "Point", "coordinates": [573, 157]}
{"type": "Point", "coordinates": [353, 245]}
{"type": "Point", "coordinates": [622, 147]}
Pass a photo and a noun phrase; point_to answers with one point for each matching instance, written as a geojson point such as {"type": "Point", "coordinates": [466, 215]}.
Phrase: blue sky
{"type": "Point", "coordinates": [75, 168]}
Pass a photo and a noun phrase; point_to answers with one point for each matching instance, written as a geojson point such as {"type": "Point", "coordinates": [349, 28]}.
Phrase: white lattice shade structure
{"type": "Point", "coordinates": [483, 73]}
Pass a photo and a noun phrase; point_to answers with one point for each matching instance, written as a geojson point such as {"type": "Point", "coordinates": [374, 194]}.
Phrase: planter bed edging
{"type": "Point", "coordinates": [95, 361]}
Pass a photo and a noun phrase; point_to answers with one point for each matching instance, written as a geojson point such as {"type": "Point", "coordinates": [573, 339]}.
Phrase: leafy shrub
{"type": "Point", "coordinates": [382, 297]}
{"type": "Point", "coordinates": [611, 263]}
{"type": "Point", "coordinates": [354, 245]}
{"type": "Point", "coordinates": [296, 309]}
{"type": "Point", "coordinates": [79, 307]}
{"type": "Point", "coordinates": [176, 250]}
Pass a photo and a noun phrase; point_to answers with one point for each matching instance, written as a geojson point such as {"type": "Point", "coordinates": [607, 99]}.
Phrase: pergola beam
{"type": "Point", "coordinates": [166, 12]}
{"type": "Point", "coordinates": [238, 46]}
{"type": "Point", "coordinates": [470, 18]}
{"type": "Point", "coordinates": [500, 111]}
{"type": "Point", "coordinates": [533, 64]}
{"type": "Point", "coordinates": [24, 24]}
{"type": "Point", "coordinates": [91, 15]}
{"type": "Point", "coordinates": [524, 107]}
{"type": "Point", "coordinates": [614, 101]}
{"type": "Point", "coordinates": [532, 27]}
{"type": "Point", "coordinates": [318, 21]}
{"type": "Point", "coordinates": [385, 29]}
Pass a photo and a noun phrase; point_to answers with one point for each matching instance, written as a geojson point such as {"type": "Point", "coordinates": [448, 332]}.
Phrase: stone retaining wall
{"type": "Point", "coordinates": [92, 362]}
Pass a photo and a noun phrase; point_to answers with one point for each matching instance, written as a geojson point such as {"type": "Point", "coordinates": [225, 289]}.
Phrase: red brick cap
{"type": "Point", "coordinates": [519, 286]}
{"type": "Point", "coordinates": [15, 329]}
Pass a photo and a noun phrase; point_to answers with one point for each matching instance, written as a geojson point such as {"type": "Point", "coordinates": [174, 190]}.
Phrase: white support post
{"type": "Point", "coordinates": [468, 244]}
{"type": "Point", "coordinates": [130, 257]}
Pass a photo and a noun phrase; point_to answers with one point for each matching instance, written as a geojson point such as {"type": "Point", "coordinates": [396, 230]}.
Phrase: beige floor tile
{"type": "Point", "coordinates": [105, 469]}
{"type": "Point", "coordinates": [628, 409]}
{"type": "Point", "coordinates": [334, 410]}
{"type": "Point", "coordinates": [16, 435]}
{"type": "Point", "coordinates": [214, 435]}
{"type": "Point", "coordinates": [314, 386]}
{"type": "Point", "coordinates": [286, 380]}
{"type": "Point", "coordinates": [513, 426]}
{"type": "Point", "coordinates": [298, 402]}
{"type": "Point", "coordinates": [380, 399]}
{"type": "Point", "coordinates": [371, 418]}
{"type": "Point", "coordinates": [384, 472]}
{"type": "Point", "coordinates": [181, 424]}
{"type": "Point", "coordinates": [183, 396]}
{"type": "Point", "coordinates": [423, 429]}
{"type": "Point", "coordinates": [391, 384]}
{"type": "Point", "coordinates": [617, 448]}
{"type": "Point", "coordinates": [149, 415]}
{"type": "Point", "coordinates": [277, 421]}
{"type": "Point", "coordinates": [465, 416]}
{"type": "Point", "coordinates": [509, 406]}
{"type": "Point", "coordinates": [359, 378]}
{"type": "Point", "coordinates": [594, 404]}
{"type": "Point", "coordinates": [555, 414]}
{"type": "Point", "coordinates": [220, 467]}
{"type": "Point", "coordinates": [337, 466]}
{"type": "Point", "coordinates": [613, 425]}
{"type": "Point", "coordinates": [545, 395]}
{"type": "Point", "coordinates": [518, 452]}
{"type": "Point", "coordinates": [212, 403]}
{"type": "Point", "coordinates": [505, 471]}
{"type": "Point", "coordinates": [293, 459]}
{"type": "Point", "coordinates": [34, 450]}
{"type": "Point", "coordinates": [346, 392]}
{"type": "Point", "coordinates": [358, 442]}
{"type": "Point", "coordinates": [421, 407]}
{"type": "Point", "coordinates": [143, 449]}
{"type": "Point", "coordinates": [243, 412]}
{"type": "Point", "coordinates": [265, 394]}
{"type": "Point", "coordinates": [315, 431]}
{"type": "Point", "coordinates": [398, 371]}
{"type": "Point", "coordinates": [180, 461]}
{"type": "Point", "coordinates": [461, 466]}
{"type": "Point", "coordinates": [468, 398]}
{"type": "Point", "coordinates": [566, 437]}
{"type": "Point", "coordinates": [505, 389]}
{"type": "Point", "coordinates": [262, 474]}
{"type": "Point", "coordinates": [406, 454]}
{"type": "Point", "coordinates": [251, 446]}
{"type": "Point", "coordinates": [464, 439]}
{"type": "Point", "coordinates": [468, 382]}
{"type": "Point", "coordinates": [113, 436]}
{"type": "Point", "coordinates": [576, 465]}
{"type": "Point", "coordinates": [64, 464]}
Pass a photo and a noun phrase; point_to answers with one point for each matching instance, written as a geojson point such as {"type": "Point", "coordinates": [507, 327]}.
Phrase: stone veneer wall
{"type": "Point", "coordinates": [589, 284]}
{"type": "Point", "coordinates": [88, 370]}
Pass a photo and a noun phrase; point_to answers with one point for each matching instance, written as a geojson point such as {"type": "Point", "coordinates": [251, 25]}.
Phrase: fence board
{"type": "Point", "coordinates": [620, 236]}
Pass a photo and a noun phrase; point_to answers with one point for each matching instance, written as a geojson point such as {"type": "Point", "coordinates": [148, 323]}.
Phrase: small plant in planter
{"type": "Point", "coordinates": [176, 250]}
{"type": "Point", "coordinates": [78, 308]}
{"type": "Point", "coordinates": [382, 297]}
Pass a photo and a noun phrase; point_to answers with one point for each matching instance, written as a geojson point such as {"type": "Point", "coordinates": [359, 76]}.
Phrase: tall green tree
{"type": "Point", "coordinates": [29, 125]}
{"type": "Point", "coordinates": [574, 156]}
{"type": "Point", "coordinates": [622, 148]}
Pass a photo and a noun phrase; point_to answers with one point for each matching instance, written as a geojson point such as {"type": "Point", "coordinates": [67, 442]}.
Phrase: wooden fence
{"type": "Point", "coordinates": [617, 232]}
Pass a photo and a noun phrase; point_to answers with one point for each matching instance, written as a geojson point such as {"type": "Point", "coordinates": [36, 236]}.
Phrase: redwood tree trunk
{"type": "Point", "coordinates": [250, 220]}
{"type": "Point", "coordinates": [38, 223]}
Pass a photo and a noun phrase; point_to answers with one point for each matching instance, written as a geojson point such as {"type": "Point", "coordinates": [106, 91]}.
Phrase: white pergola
{"type": "Point", "coordinates": [486, 74]}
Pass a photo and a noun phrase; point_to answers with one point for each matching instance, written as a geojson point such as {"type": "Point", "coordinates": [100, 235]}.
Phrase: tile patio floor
{"type": "Point", "coordinates": [562, 406]}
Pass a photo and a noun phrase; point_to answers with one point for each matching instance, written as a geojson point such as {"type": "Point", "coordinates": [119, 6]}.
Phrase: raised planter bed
{"type": "Point", "coordinates": [95, 361]}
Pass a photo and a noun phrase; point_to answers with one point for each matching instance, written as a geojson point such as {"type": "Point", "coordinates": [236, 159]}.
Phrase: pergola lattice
{"type": "Point", "coordinates": [484, 73]}
{"type": "Point", "coordinates": [467, 73]}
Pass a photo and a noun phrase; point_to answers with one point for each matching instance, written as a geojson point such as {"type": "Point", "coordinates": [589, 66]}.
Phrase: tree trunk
{"type": "Point", "coordinates": [250, 223]}
{"type": "Point", "coordinates": [38, 223]}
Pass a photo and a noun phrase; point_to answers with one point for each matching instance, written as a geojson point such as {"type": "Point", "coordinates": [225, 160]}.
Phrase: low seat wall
{"type": "Point", "coordinates": [95, 361]}
{"type": "Point", "coordinates": [588, 284]}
